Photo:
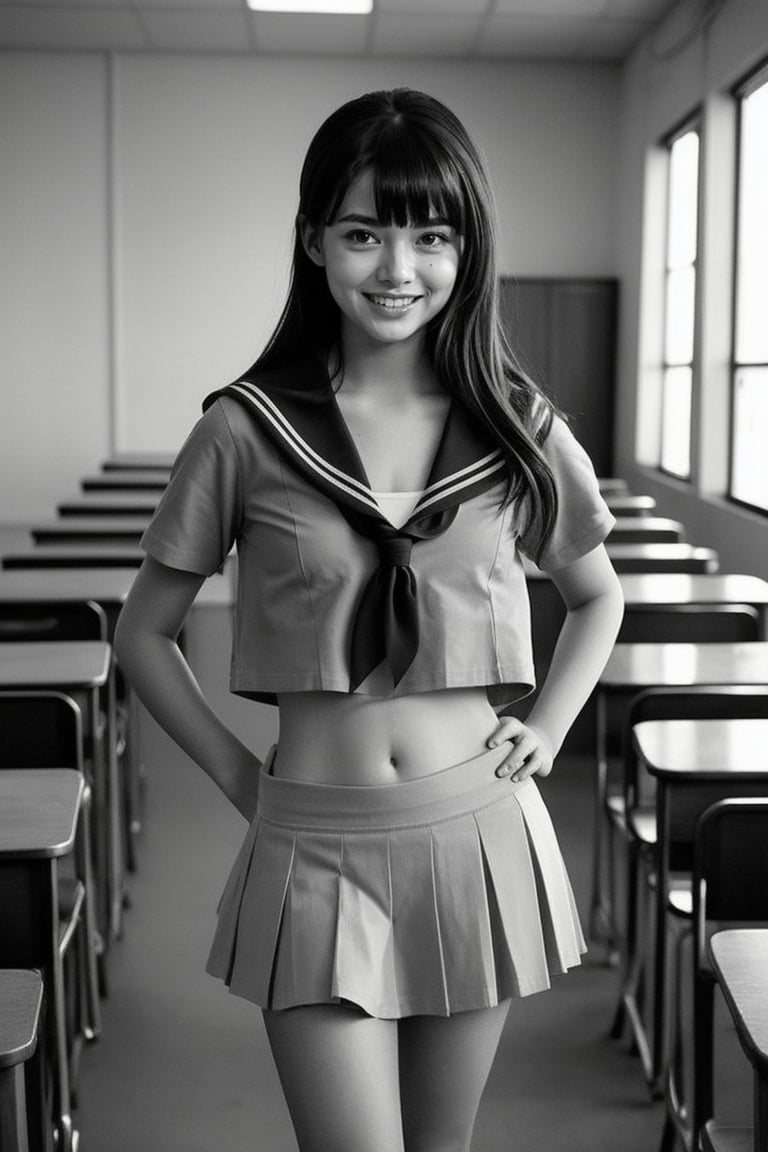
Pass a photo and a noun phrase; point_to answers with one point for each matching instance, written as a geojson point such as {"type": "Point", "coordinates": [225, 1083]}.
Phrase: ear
{"type": "Point", "coordinates": [311, 238]}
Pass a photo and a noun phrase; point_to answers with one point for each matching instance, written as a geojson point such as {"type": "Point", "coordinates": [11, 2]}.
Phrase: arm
{"type": "Point", "coordinates": [594, 606]}
{"type": "Point", "coordinates": [150, 658]}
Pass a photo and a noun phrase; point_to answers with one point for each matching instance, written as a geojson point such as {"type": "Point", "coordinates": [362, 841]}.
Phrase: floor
{"type": "Point", "coordinates": [183, 1066]}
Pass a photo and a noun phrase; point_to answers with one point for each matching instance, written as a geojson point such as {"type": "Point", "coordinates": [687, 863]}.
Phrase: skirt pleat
{"type": "Point", "coordinates": [560, 922]}
{"type": "Point", "coordinates": [435, 896]}
{"type": "Point", "coordinates": [364, 935]}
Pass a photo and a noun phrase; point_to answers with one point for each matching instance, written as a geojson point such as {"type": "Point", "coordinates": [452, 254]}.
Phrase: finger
{"type": "Point", "coordinates": [524, 747]}
{"type": "Point", "coordinates": [531, 767]}
{"type": "Point", "coordinates": [509, 728]}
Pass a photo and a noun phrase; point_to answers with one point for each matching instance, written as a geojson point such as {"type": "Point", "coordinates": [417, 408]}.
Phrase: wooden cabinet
{"type": "Point", "coordinates": [564, 333]}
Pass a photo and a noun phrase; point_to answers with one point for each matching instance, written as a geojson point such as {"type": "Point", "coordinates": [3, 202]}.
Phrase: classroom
{"type": "Point", "coordinates": [151, 232]}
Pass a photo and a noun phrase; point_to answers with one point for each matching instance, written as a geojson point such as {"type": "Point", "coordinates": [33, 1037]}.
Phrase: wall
{"type": "Point", "coordinates": [661, 87]}
{"type": "Point", "coordinates": [148, 225]}
{"type": "Point", "coordinates": [54, 281]}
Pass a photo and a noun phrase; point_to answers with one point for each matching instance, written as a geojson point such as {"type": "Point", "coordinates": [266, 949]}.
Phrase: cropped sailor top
{"type": "Point", "coordinates": [328, 587]}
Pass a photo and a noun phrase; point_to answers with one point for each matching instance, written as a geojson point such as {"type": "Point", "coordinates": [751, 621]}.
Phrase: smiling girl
{"type": "Point", "coordinates": [383, 467]}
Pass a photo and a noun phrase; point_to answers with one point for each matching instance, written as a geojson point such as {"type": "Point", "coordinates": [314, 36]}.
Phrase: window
{"type": "Point", "coordinates": [679, 302]}
{"type": "Point", "coordinates": [749, 397]}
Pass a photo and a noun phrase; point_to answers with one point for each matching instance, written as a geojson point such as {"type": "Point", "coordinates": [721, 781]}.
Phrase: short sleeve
{"type": "Point", "coordinates": [583, 519]}
{"type": "Point", "coordinates": [199, 515]}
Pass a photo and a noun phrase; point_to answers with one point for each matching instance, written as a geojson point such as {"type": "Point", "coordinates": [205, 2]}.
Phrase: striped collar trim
{"type": "Point", "coordinates": [307, 424]}
{"type": "Point", "coordinates": [298, 447]}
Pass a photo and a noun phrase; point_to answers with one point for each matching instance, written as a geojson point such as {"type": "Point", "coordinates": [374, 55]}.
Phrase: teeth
{"type": "Point", "coordinates": [392, 302]}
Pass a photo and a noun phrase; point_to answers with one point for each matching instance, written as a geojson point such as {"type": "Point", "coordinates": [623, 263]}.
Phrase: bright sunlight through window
{"type": "Point", "coordinates": [749, 426]}
{"type": "Point", "coordinates": [680, 301]}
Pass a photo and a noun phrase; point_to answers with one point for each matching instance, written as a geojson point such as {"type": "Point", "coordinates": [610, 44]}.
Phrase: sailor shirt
{"type": "Point", "coordinates": [304, 566]}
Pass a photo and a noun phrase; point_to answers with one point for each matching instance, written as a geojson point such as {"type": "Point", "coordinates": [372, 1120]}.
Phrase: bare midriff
{"type": "Point", "coordinates": [333, 738]}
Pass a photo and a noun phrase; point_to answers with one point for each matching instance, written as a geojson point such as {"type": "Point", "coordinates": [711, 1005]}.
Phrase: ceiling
{"type": "Point", "coordinates": [581, 30]}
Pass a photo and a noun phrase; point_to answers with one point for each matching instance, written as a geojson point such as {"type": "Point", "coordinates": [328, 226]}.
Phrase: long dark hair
{"type": "Point", "coordinates": [423, 163]}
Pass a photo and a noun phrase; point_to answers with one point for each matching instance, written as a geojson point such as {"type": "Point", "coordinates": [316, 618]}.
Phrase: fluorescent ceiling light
{"type": "Point", "coordinates": [319, 7]}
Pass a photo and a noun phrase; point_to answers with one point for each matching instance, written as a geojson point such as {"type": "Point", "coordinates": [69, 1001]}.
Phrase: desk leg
{"type": "Point", "coordinates": [116, 854]}
{"type": "Point", "coordinates": [656, 1072]}
{"type": "Point", "coordinates": [67, 1138]}
{"type": "Point", "coordinates": [761, 1113]}
{"type": "Point", "coordinates": [600, 916]}
{"type": "Point", "coordinates": [13, 1110]}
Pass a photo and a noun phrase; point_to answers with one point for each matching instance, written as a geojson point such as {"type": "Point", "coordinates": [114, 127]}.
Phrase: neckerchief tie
{"type": "Point", "coordinates": [296, 408]}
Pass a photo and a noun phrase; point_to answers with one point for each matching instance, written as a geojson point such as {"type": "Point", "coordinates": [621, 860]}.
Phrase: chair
{"type": "Point", "coordinates": [53, 620]}
{"type": "Point", "coordinates": [44, 620]}
{"type": "Point", "coordinates": [648, 624]}
{"type": "Point", "coordinates": [21, 995]}
{"type": "Point", "coordinates": [667, 879]}
{"type": "Point", "coordinates": [44, 729]}
{"type": "Point", "coordinates": [729, 887]}
{"type": "Point", "coordinates": [739, 958]}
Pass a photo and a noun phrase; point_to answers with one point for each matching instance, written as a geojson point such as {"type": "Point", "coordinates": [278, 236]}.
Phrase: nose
{"type": "Point", "coordinates": [396, 265]}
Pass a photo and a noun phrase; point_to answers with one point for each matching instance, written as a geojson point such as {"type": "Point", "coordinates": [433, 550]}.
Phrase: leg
{"type": "Point", "coordinates": [338, 1069]}
{"type": "Point", "coordinates": [444, 1065]}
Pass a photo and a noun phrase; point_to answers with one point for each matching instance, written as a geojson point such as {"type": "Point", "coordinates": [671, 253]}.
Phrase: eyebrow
{"type": "Point", "coordinates": [372, 221]}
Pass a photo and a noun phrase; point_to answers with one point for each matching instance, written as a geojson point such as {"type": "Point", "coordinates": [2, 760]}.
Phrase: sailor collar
{"type": "Point", "coordinates": [296, 408]}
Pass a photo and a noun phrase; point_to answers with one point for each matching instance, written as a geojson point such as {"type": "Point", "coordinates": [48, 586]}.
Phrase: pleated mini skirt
{"type": "Point", "coordinates": [433, 896]}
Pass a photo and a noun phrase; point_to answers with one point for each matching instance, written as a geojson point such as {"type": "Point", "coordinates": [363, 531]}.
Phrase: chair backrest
{"type": "Point", "coordinates": [677, 624]}
{"type": "Point", "coordinates": [690, 624]}
{"type": "Point", "coordinates": [690, 702]}
{"type": "Point", "coordinates": [45, 620]}
{"type": "Point", "coordinates": [40, 730]}
{"type": "Point", "coordinates": [731, 861]}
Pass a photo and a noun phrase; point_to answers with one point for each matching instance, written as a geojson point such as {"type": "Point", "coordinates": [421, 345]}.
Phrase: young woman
{"type": "Point", "coordinates": [382, 468]}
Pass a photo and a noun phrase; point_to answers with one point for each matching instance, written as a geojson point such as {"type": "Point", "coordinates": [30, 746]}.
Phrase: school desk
{"type": "Point", "coordinates": [131, 479]}
{"type": "Point", "coordinates": [630, 669]}
{"type": "Point", "coordinates": [695, 763]}
{"type": "Point", "coordinates": [70, 530]}
{"type": "Point", "coordinates": [83, 669]}
{"type": "Point", "coordinates": [39, 811]}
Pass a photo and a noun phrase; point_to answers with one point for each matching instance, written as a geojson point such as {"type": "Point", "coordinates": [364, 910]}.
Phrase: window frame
{"type": "Point", "coordinates": [756, 78]}
{"type": "Point", "coordinates": [692, 122]}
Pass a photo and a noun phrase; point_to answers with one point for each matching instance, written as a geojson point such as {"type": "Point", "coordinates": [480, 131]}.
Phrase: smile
{"type": "Point", "coordinates": [392, 303]}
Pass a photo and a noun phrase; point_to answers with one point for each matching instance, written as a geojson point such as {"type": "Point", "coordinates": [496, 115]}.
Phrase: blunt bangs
{"type": "Point", "coordinates": [412, 182]}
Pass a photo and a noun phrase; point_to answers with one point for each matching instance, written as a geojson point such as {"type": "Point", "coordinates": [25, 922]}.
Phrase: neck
{"type": "Point", "coordinates": [396, 370]}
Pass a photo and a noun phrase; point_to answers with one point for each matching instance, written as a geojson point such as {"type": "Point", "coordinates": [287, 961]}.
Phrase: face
{"type": "Point", "coordinates": [389, 282]}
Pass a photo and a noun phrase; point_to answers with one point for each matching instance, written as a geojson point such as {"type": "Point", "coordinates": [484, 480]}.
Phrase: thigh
{"type": "Point", "coordinates": [338, 1070]}
{"type": "Point", "coordinates": [444, 1066]}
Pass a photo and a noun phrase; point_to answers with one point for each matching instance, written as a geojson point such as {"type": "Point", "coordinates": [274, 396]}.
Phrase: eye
{"type": "Point", "coordinates": [434, 239]}
{"type": "Point", "coordinates": [361, 236]}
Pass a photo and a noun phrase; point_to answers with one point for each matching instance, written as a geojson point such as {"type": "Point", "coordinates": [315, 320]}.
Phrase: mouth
{"type": "Point", "coordinates": [392, 304]}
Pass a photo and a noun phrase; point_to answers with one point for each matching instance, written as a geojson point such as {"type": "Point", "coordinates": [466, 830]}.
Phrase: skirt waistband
{"type": "Point", "coordinates": [463, 787]}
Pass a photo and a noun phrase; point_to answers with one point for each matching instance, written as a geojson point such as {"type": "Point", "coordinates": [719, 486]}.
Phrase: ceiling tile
{"type": "Point", "coordinates": [197, 31]}
{"type": "Point", "coordinates": [650, 11]}
{"type": "Point", "coordinates": [308, 34]}
{"type": "Point", "coordinates": [565, 9]}
{"type": "Point", "coordinates": [214, 6]}
{"type": "Point", "coordinates": [579, 39]}
{"type": "Point", "coordinates": [61, 5]}
{"type": "Point", "coordinates": [433, 7]}
{"type": "Point", "coordinates": [404, 34]}
{"type": "Point", "coordinates": [73, 28]}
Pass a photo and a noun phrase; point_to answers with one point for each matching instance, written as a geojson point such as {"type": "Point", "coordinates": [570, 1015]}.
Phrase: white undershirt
{"type": "Point", "coordinates": [397, 506]}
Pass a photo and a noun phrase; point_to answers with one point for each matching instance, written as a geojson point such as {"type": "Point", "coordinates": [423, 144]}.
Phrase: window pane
{"type": "Point", "coordinates": [752, 283]}
{"type": "Point", "coordinates": [681, 292]}
{"type": "Point", "coordinates": [750, 428]}
{"type": "Point", "coordinates": [683, 183]}
{"type": "Point", "coordinates": [676, 422]}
